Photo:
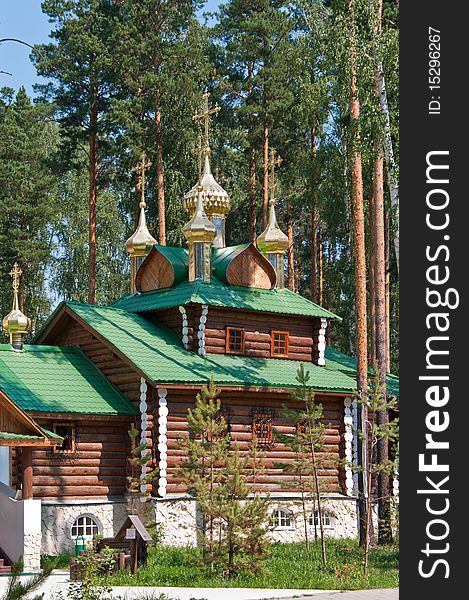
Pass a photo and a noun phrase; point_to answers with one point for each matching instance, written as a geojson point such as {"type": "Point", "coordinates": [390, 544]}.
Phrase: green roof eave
{"type": "Point", "coordinates": [216, 293]}
{"type": "Point", "coordinates": [157, 353]}
{"type": "Point", "coordinates": [347, 364]}
{"type": "Point", "coordinates": [52, 379]}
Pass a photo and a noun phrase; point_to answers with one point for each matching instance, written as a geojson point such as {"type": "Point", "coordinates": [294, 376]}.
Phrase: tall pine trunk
{"type": "Point", "coordinates": [360, 271]}
{"type": "Point", "coordinates": [372, 303]}
{"type": "Point", "coordinates": [314, 220]}
{"type": "Point", "coordinates": [160, 173]}
{"type": "Point", "coordinates": [320, 269]}
{"type": "Point", "coordinates": [265, 190]}
{"type": "Point", "coordinates": [252, 194]}
{"type": "Point", "coordinates": [382, 417]}
{"type": "Point", "coordinates": [93, 185]}
{"type": "Point", "coordinates": [291, 251]}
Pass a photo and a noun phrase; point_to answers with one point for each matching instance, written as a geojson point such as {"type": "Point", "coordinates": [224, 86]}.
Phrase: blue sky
{"type": "Point", "coordinates": [24, 20]}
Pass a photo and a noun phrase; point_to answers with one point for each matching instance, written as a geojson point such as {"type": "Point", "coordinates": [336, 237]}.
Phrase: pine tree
{"type": "Point", "coordinates": [27, 200]}
{"type": "Point", "coordinates": [307, 443]}
{"type": "Point", "coordinates": [79, 66]}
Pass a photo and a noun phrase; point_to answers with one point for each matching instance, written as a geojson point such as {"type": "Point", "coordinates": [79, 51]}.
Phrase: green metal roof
{"type": "Point", "coordinates": [58, 380]}
{"type": "Point", "coordinates": [222, 257]}
{"type": "Point", "coordinates": [159, 354]}
{"type": "Point", "coordinates": [216, 293]}
{"type": "Point", "coordinates": [25, 436]}
{"type": "Point", "coordinates": [348, 364]}
{"type": "Point", "coordinates": [179, 259]}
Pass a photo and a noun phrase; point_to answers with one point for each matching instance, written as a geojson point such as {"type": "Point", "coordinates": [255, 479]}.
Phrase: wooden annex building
{"type": "Point", "coordinates": [196, 312]}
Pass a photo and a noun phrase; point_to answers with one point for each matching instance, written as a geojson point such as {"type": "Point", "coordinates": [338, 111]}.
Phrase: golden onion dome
{"type": "Point", "coordinates": [199, 228]}
{"type": "Point", "coordinates": [215, 198]}
{"type": "Point", "coordinates": [15, 323]}
{"type": "Point", "coordinates": [272, 239]}
{"type": "Point", "coordinates": [141, 242]}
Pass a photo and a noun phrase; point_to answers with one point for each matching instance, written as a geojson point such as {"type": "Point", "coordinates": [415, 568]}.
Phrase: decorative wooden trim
{"type": "Point", "coordinates": [162, 441]}
{"type": "Point", "coordinates": [185, 327]}
{"type": "Point", "coordinates": [227, 342]}
{"type": "Point", "coordinates": [348, 437]}
{"type": "Point", "coordinates": [322, 343]}
{"type": "Point", "coordinates": [143, 432]}
{"type": "Point", "coordinates": [272, 346]}
{"type": "Point", "coordinates": [201, 332]}
{"type": "Point", "coordinates": [355, 441]}
{"type": "Point", "coordinates": [264, 416]}
{"type": "Point", "coordinates": [22, 417]}
{"type": "Point", "coordinates": [57, 449]}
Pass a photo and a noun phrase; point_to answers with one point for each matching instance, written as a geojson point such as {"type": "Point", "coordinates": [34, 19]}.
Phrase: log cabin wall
{"type": "Point", "coordinates": [96, 469]}
{"type": "Point", "coordinates": [303, 332]}
{"type": "Point", "coordinates": [237, 408]}
{"type": "Point", "coordinates": [121, 375]}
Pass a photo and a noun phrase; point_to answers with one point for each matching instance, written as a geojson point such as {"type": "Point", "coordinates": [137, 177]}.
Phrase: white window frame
{"type": "Point", "coordinates": [85, 526]}
{"type": "Point", "coordinates": [281, 513]}
{"type": "Point", "coordinates": [327, 519]}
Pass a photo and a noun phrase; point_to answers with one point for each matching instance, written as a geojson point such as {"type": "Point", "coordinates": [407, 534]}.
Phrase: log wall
{"type": "Point", "coordinates": [97, 469]}
{"type": "Point", "coordinates": [303, 332]}
{"type": "Point", "coordinates": [239, 407]}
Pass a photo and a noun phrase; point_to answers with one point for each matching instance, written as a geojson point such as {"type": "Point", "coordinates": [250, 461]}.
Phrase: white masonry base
{"type": "Point", "coordinates": [59, 516]}
{"type": "Point", "coordinates": [178, 515]}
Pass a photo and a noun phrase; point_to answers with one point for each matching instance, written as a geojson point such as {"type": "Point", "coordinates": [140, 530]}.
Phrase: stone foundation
{"type": "Point", "coordinates": [58, 518]}
{"type": "Point", "coordinates": [178, 516]}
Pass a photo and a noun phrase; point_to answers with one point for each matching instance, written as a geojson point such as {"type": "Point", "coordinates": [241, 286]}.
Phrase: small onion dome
{"type": "Point", "coordinates": [15, 322]}
{"type": "Point", "coordinates": [199, 228]}
{"type": "Point", "coordinates": [272, 239]}
{"type": "Point", "coordinates": [215, 198]}
{"type": "Point", "coordinates": [141, 242]}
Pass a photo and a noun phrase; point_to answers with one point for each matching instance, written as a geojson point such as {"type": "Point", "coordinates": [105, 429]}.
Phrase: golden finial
{"type": "Point", "coordinates": [205, 114]}
{"type": "Point", "coordinates": [141, 170]}
{"type": "Point", "coordinates": [274, 161]}
{"type": "Point", "coordinates": [16, 323]}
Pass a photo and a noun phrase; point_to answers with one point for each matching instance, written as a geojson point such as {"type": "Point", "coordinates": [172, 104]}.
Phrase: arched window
{"type": "Point", "coordinates": [282, 518]}
{"type": "Point", "coordinates": [326, 519]}
{"type": "Point", "coordinates": [84, 526]}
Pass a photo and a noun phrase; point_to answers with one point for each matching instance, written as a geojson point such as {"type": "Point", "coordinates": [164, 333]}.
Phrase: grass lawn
{"type": "Point", "coordinates": [287, 566]}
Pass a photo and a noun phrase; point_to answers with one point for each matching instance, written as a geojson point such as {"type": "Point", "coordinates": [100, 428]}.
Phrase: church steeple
{"type": "Point", "coordinates": [272, 241]}
{"type": "Point", "coordinates": [141, 242]}
{"type": "Point", "coordinates": [200, 233]}
{"type": "Point", "coordinates": [215, 199]}
{"type": "Point", "coordinates": [16, 324]}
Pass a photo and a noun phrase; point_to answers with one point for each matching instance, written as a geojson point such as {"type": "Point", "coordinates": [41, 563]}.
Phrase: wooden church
{"type": "Point", "coordinates": [68, 400]}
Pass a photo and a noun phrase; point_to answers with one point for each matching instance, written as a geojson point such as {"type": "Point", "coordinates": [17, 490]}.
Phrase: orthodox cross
{"type": "Point", "coordinates": [141, 170]}
{"type": "Point", "coordinates": [205, 114]}
{"type": "Point", "coordinates": [274, 161]}
{"type": "Point", "coordinates": [16, 273]}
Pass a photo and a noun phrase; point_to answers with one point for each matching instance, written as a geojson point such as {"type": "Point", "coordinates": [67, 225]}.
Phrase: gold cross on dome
{"type": "Point", "coordinates": [206, 112]}
{"type": "Point", "coordinates": [274, 161]}
{"type": "Point", "coordinates": [16, 273]}
{"type": "Point", "coordinates": [197, 151]}
{"type": "Point", "coordinates": [141, 170]}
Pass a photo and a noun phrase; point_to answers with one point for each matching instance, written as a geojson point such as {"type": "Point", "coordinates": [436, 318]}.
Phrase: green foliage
{"type": "Point", "coordinates": [290, 566]}
{"type": "Point", "coordinates": [16, 590]}
{"type": "Point", "coordinates": [232, 531]}
{"type": "Point", "coordinates": [27, 200]}
{"type": "Point", "coordinates": [94, 568]}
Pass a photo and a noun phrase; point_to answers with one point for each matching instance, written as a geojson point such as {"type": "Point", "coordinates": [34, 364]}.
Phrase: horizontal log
{"type": "Point", "coordinates": [56, 491]}
{"type": "Point", "coordinates": [86, 481]}
{"type": "Point", "coordinates": [78, 471]}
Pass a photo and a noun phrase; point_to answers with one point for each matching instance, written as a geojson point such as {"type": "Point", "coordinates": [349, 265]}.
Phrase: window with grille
{"type": "Point", "coordinates": [262, 431]}
{"type": "Point", "coordinates": [279, 343]}
{"type": "Point", "coordinates": [282, 519]}
{"type": "Point", "coordinates": [84, 526]}
{"type": "Point", "coordinates": [314, 519]}
{"type": "Point", "coordinates": [234, 340]}
{"type": "Point", "coordinates": [67, 432]}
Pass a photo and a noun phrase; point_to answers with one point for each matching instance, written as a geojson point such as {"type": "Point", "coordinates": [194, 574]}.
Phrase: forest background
{"type": "Point", "coordinates": [126, 76]}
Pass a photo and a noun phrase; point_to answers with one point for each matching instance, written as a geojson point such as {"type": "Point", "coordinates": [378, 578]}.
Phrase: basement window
{"type": "Point", "coordinates": [326, 519]}
{"type": "Point", "coordinates": [84, 526]}
{"type": "Point", "coordinates": [234, 340]}
{"type": "Point", "coordinates": [279, 343]}
{"type": "Point", "coordinates": [67, 432]}
{"type": "Point", "coordinates": [282, 518]}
